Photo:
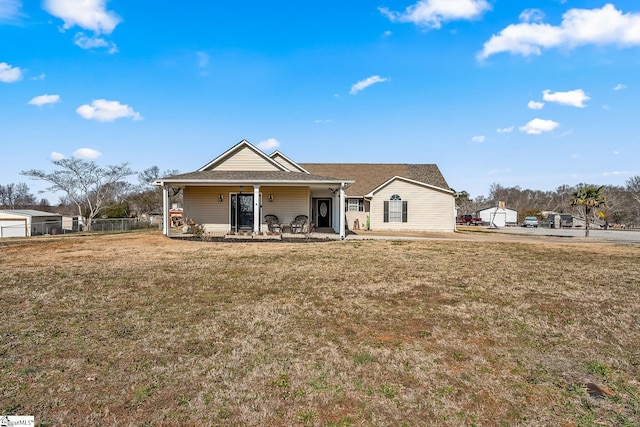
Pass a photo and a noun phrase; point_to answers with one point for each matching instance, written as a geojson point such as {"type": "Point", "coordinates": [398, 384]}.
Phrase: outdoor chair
{"type": "Point", "coordinates": [300, 224]}
{"type": "Point", "coordinates": [273, 223]}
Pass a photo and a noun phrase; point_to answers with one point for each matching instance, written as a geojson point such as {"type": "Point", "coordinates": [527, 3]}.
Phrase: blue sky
{"type": "Point", "coordinates": [530, 93]}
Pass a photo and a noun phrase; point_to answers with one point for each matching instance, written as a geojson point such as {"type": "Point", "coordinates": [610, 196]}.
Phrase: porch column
{"type": "Point", "coordinates": [341, 214]}
{"type": "Point", "coordinates": [166, 219]}
{"type": "Point", "coordinates": [256, 209]}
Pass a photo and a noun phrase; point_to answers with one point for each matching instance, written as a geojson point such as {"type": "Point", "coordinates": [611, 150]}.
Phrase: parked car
{"type": "Point", "coordinates": [530, 221]}
{"type": "Point", "coordinates": [468, 220]}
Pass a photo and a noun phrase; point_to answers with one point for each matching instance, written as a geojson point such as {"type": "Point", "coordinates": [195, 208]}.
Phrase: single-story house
{"type": "Point", "coordinates": [498, 216]}
{"type": "Point", "coordinates": [28, 222]}
{"type": "Point", "coordinates": [235, 191]}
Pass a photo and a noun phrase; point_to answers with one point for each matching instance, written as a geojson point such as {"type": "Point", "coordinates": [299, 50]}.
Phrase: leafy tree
{"type": "Point", "coordinates": [91, 188]}
{"type": "Point", "coordinates": [463, 202]}
{"type": "Point", "coordinates": [118, 210]}
{"type": "Point", "coordinates": [588, 197]}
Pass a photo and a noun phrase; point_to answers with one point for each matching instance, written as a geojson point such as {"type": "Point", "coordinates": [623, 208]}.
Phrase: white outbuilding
{"type": "Point", "coordinates": [28, 222]}
{"type": "Point", "coordinates": [498, 217]}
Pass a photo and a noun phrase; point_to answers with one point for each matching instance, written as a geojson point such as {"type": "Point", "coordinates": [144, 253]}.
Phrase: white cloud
{"type": "Point", "coordinates": [41, 76]}
{"type": "Point", "coordinates": [203, 63]}
{"type": "Point", "coordinates": [85, 42]}
{"type": "Point", "coordinates": [203, 59]}
{"type": "Point", "coordinates": [616, 152]}
{"type": "Point", "coordinates": [322, 121]}
{"type": "Point", "coordinates": [574, 98]}
{"type": "Point", "coordinates": [432, 13]}
{"type": "Point", "coordinates": [505, 130]}
{"type": "Point", "coordinates": [620, 86]}
{"type": "Point", "coordinates": [56, 156]}
{"type": "Point", "coordinates": [538, 126]}
{"type": "Point", "coordinates": [9, 74]}
{"type": "Point", "coordinates": [535, 105]}
{"type": "Point", "coordinates": [10, 10]}
{"type": "Point", "coordinates": [86, 153]}
{"type": "Point", "coordinates": [88, 14]}
{"type": "Point", "coordinates": [606, 26]}
{"type": "Point", "coordinates": [363, 84]}
{"type": "Point", "coordinates": [616, 173]}
{"type": "Point", "coordinates": [531, 15]}
{"type": "Point", "coordinates": [478, 139]}
{"type": "Point", "coordinates": [269, 144]}
{"type": "Point", "coordinates": [44, 99]}
{"type": "Point", "coordinates": [107, 111]}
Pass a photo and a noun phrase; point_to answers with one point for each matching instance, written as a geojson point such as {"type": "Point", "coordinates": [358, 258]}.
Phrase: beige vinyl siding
{"type": "Point", "coordinates": [202, 206]}
{"type": "Point", "coordinates": [288, 202]}
{"type": "Point", "coordinates": [287, 164]}
{"type": "Point", "coordinates": [245, 160]}
{"type": "Point", "coordinates": [428, 209]}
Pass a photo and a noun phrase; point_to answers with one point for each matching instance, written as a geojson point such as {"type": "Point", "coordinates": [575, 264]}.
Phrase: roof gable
{"type": "Point", "coordinates": [410, 181]}
{"type": "Point", "coordinates": [370, 176]}
{"type": "Point", "coordinates": [243, 157]}
{"type": "Point", "coordinates": [287, 162]}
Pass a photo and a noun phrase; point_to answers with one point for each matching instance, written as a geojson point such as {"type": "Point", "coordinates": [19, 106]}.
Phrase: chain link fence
{"type": "Point", "coordinates": [53, 227]}
{"type": "Point", "coordinates": [120, 224]}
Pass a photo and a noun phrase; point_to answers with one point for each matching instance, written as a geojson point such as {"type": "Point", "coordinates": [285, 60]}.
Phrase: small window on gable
{"type": "Point", "coordinates": [395, 209]}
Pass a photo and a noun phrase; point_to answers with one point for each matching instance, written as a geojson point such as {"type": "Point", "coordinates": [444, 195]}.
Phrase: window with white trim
{"type": "Point", "coordinates": [355, 205]}
{"type": "Point", "coordinates": [395, 209]}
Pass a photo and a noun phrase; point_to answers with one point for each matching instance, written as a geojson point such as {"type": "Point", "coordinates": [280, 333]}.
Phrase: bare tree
{"type": "Point", "coordinates": [17, 196]}
{"type": "Point", "coordinates": [147, 197]}
{"type": "Point", "coordinates": [633, 186]}
{"type": "Point", "coordinates": [89, 187]}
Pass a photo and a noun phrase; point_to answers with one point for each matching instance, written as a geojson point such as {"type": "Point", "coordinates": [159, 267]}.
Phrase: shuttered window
{"type": "Point", "coordinates": [395, 209]}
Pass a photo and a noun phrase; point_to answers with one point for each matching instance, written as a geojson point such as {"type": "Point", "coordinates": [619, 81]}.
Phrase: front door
{"type": "Point", "coordinates": [323, 213]}
{"type": "Point", "coordinates": [241, 212]}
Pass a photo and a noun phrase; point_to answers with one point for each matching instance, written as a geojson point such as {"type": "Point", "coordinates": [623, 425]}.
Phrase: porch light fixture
{"type": "Point", "coordinates": [220, 198]}
{"type": "Point", "coordinates": [270, 197]}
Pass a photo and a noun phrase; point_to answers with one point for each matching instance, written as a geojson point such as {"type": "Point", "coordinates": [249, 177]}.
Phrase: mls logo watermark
{"type": "Point", "coordinates": [17, 421]}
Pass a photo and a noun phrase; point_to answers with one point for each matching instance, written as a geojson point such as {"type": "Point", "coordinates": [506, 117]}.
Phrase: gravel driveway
{"type": "Point", "coordinates": [627, 236]}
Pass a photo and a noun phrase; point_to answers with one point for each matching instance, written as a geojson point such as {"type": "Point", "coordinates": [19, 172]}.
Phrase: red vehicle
{"type": "Point", "coordinates": [468, 220]}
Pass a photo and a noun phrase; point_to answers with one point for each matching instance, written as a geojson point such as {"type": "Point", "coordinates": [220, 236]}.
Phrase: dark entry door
{"type": "Point", "coordinates": [323, 213]}
{"type": "Point", "coordinates": [242, 212]}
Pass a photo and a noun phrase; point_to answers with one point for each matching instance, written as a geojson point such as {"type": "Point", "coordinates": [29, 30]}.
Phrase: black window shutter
{"type": "Point", "coordinates": [386, 211]}
{"type": "Point", "coordinates": [404, 211]}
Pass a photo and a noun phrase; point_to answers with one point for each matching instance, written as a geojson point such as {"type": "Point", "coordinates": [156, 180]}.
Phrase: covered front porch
{"type": "Point", "coordinates": [285, 236]}
{"type": "Point", "coordinates": [239, 209]}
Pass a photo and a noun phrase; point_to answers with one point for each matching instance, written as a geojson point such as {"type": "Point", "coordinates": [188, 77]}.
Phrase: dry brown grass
{"type": "Point", "coordinates": [138, 329]}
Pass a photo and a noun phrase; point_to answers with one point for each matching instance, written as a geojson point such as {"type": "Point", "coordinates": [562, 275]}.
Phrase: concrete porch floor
{"type": "Point", "coordinates": [217, 235]}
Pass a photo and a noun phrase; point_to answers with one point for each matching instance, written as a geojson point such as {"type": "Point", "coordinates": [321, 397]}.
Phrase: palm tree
{"type": "Point", "coordinates": [589, 197]}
